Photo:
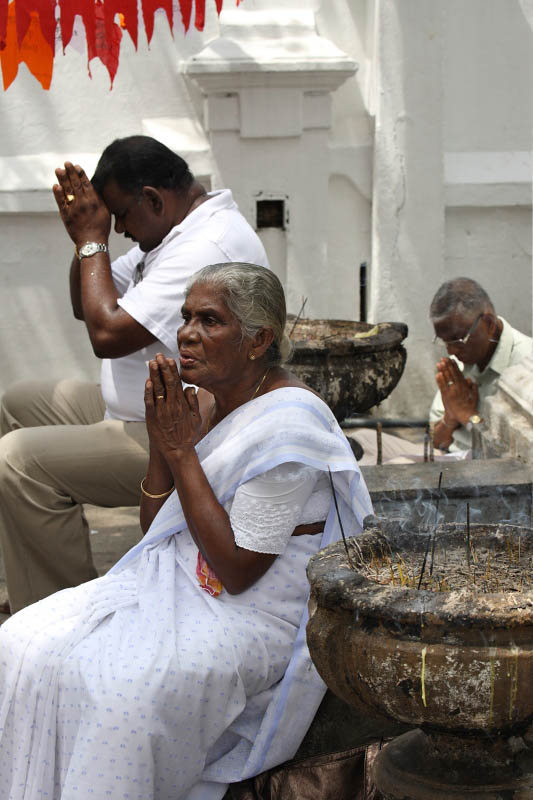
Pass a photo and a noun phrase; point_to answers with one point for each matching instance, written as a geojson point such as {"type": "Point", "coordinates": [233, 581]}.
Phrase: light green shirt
{"type": "Point", "coordinates": [512, 348]}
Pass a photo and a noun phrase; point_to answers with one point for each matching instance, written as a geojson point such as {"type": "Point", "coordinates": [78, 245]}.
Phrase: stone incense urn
{"type": "Point", "coordinates": [455, 663]}
{"type": "Point", "coordinates": [352, 365]}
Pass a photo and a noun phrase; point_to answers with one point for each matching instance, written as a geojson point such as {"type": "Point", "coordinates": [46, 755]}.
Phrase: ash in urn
{"type": "Point", "coordinates": [479, 558]}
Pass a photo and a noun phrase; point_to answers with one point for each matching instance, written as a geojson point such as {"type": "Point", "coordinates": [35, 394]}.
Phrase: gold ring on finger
{"type": "Point", "coordinates": [70, 198]}
{"type": "Point", "coordinates": [160, 397]}
{"type": "Point", "coordinates": [451, 383]}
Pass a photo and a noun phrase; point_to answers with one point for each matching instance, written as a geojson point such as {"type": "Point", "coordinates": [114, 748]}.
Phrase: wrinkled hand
{"type": "Point", "coordinates": [459, 394]}
{"type": "Point", "coordinates": [86, 218]}
{"type": "Point", "coordinates": [172, 415]}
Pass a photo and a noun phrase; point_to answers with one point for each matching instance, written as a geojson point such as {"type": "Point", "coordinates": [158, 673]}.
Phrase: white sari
{"type": "Point", "coordinates": [141, 685]}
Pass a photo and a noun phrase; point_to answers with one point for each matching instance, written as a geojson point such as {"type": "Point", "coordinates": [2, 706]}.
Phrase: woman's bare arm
{"type": "Point", "coordinates": [158, 481]}
{"type": "Point", "coordinates": [210, 526]}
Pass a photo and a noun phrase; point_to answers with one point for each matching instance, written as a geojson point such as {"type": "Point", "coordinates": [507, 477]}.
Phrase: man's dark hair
{"type": "Point", "coordinates": [137, 161]}
{"type": "Point", "coordinates": [460, 296]}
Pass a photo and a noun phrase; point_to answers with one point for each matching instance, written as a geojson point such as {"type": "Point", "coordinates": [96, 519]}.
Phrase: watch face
{"type": "Point", "coordinates": [475, 419]}
{"type": "Point", "coordinates": [90, 248]}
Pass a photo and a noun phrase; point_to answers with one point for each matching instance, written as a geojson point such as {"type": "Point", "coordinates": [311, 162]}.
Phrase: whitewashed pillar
{"type": "Point", "coordinates": [408, 192]}
{"type": "Point", "coordinates": [267, 82]}
{"type": "Point", "coordinates": [527, 8]}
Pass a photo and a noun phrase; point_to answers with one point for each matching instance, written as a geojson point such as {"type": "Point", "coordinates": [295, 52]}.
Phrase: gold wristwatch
{"type": "Point", "coordinates": [475, 421]}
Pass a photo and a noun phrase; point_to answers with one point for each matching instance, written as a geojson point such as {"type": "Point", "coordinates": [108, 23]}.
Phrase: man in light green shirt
{"type": "Point", "coordinates": [480, 346]}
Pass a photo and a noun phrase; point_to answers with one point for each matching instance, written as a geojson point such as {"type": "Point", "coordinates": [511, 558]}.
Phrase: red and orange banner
{"type": "Point", "coordinates": [28, 30]}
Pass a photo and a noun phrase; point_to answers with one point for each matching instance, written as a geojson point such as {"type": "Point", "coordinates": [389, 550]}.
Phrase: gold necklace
{"type": "Point", "coordinates": [208, 428]}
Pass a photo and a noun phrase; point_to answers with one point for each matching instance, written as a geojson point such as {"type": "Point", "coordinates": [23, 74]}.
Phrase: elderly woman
{"type": "Point", "coordinates": [185, 668]}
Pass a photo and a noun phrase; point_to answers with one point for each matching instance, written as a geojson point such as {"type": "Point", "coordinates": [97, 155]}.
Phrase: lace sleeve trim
{"type": "Point", "coordinates": [264, 527]}
{"type": "Point", "coordinates": [266, 509]}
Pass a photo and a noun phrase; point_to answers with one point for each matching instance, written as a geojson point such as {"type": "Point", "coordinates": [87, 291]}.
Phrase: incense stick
{"type": "Point", "coordinates": [468, 535]}
{"type": "Point", "coordinates": [430, 537]}
{"type": "Point", "coordinates": [431, 442]}
{"type": "Point", "coordinates": [339, 518]}
{"type": "Point", "coordinates": [435, 527]}
{"type": "Point", "coordinates": [300, 312]}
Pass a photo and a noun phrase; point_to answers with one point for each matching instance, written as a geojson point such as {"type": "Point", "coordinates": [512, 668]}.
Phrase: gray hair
{"type": "Point", "coordinates": [255, 296]}
{"type": "Point", "coordinates": [460, 296]}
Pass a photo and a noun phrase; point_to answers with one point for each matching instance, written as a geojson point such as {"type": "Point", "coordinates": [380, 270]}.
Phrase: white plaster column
{"type": "Point", "coordinates": [408, 197]}
{"type": "Point", "coordinates": [268, 81]}
{"type": "Point", "coordinates": [527, 8]}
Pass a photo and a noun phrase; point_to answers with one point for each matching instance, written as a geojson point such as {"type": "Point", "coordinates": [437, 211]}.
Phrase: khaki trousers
{"type": "Point", "coordinates": [57, 452]}
{"type": "Point", "coordinates": [392, 447]}
{"type": "Point", "coordinates": [394, 450]}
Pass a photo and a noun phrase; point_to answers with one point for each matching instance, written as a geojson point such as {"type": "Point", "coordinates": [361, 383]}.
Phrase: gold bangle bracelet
{"type": "Point", "coordinates": [154, 496]}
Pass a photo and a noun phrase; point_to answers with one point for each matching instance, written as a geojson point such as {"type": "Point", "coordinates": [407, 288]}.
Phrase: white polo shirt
{"type": "Point", "coordinates": [215, 232]}
{"type": "Point", "coordinates": [512, 347]}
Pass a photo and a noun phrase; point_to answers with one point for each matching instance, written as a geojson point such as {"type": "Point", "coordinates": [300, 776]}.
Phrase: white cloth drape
{"type": "Point", "coordinates": [139, 684]}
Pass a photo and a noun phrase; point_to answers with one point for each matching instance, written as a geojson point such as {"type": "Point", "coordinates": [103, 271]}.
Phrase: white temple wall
{"type": "Point", "coordinates": [493, 246]}
{"type": "Point", "coordinates": [488, 137]}
{"type": "Point", "coordinates": [487, 76]}
{"type": "Point", "coordinates": [39, 337]}
{"type": "Point", "coordinates": [82, 115]}
{"type": "Point", "coordinates": [349, 244]}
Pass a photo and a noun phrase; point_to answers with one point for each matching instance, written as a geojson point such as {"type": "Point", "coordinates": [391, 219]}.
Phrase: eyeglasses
{"type": "Point", "coordinates": [460, 342]}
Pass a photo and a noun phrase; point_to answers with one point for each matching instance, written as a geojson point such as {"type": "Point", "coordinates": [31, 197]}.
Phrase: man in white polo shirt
{"type": "Point", "coordinates": [66, 442]}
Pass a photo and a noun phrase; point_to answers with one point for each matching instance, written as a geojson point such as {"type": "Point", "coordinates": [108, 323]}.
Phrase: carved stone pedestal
{"type": "Point", "coordinates": [510, 414]}
{"type": "Point", "coordinates": [420, 766]}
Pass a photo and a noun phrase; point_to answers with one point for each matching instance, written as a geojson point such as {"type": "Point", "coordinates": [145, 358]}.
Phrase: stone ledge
{"type": "Point", "coordinates": [488, 179]}
{"type": "Point", "coordinates": [26, 181]}
{"type": "Point", "coordinates": [495, 488]}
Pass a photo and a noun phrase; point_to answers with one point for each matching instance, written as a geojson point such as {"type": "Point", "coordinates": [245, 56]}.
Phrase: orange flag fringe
{"type": "Point", "coordinates": [45, 10]}
{"type": "Point", "coordinates": [28, 30]}
{"type": "Point", "coordinates": [34, 50]}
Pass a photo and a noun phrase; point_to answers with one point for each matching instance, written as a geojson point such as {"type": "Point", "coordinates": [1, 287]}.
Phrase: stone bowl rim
{"type": "Point", "coordinates": [393, 605]}
{"type": "Point", "coordinates": [390, 338]}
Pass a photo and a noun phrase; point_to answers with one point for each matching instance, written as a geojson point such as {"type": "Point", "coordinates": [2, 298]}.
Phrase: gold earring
{"type": "Point", "coordinates": [251, 357]}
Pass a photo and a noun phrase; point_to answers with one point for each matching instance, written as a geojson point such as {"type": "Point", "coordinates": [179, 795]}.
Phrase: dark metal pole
{"type": "Point", "coordinates": [392, 422]}
{"type": "Point", "coordinates": [477, 443]}
{"type": "Point", "coordinates": [362, 291]}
